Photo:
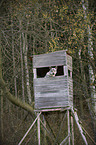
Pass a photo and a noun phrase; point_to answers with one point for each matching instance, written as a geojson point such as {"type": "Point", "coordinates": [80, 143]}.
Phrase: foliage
{"type": "Point", "coordinates": [34, 27]}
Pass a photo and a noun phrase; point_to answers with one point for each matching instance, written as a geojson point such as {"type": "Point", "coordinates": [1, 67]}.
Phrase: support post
{"type": "Point", "coordinates": [79, 126]}
{"type": "Point", "coordinates": [72, 130]}
{"type": "Point", "coordinates": [68, 116]}
{"type": "Point", "coordinates": [2, 126]}
{"type": "Point", "coordinates": [44, 130]}
{"type": "Point", "coordinates": [38, 124]}
{"type": "Point", "coordinates": [29, 129]}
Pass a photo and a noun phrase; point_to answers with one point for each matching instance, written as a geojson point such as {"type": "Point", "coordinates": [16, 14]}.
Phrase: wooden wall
{"type": "Point", "coordinates": [53, 92]}
{"type": "Point", "coordinates": [50, 93]}
{"type": "Point", "coordinates": [51, 59]}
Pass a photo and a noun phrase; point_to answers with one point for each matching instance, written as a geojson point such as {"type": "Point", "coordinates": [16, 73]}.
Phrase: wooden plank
{"type": "Point", "coordinates": [52, 83]}
{"type": "Point", "coordinates": [40, 106]}
{"type": "Point", "coordinates": [64, 141]}
{"type": "Point", "coordinates": [65, 71]}
{"type": "Point", "coordinates": [51, 92]}
{"type": "Point", "coordinates": [70, 87]}
{"type": "Point", "coordinates": [50, 88]}
{"type": "Point", "coordinates": [45, 141]}
{"type": "Point", "coordinates": [35, 74]}
{"type": "Point", "coordinates": [72, 129]}
{"type": "Point", "coordinates": [2, 115]}
{"type": "Point", "coordinates": [38, 124]}
{"type": "Point", "coordinates": [69, 64]}
{"type": "Point", "coordinates": [69, 60]}
{"type": "Point", "coordinates": [51, 102]}
{"type": "Point", "coordinates": [53, 109]}
{"type": "Point", "coordinates": [50, 59]}
{"type": "Point", "coordinates": [50, 99]}
{"type": "Point", "coordinates": [61, 93]}
{"type": "Point", "coordinates": [51, 80]}
{"type": "Point", "coordinates": [68, 116]}
{"type": "Point", "coordinates": [43, 63]}
{"type": "Point", "coordinates": [50, 106]}
{"type": "Point", "coordinates": [79, 126]}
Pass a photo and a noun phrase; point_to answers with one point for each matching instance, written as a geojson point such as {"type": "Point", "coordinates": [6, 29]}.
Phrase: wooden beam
{"type": "Point", "coordinates": [72, 130]}
{"type": "Point", "coordinates": [79, 126]}
{"type": "Point", "coordinates": [35, 73]}
{"type": "Point", "coordinates": [2, 111]}
{"type": "Point", "coordinates": [68, 116]}
{"type": "Point", "coordinates": [60, 128]}
{"type": "Point", "coordinates": [62, 143]}
{"type": "Point", "coordinates": [45, 142]}
{"type": "Point", "coordinates": [49, 133]}
{"type": "Point", "coordinates": [29, 129]}
{"type": "Point", "coordinates": [54, 109]}
{"type": "Point", "coordinates": [38, 124]}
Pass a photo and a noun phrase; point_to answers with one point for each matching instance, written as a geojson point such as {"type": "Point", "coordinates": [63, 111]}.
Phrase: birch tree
{"type": "Point", "coordinates": [90, 52]}
{"type": "Point", "coordinates": [22, 66]}
{"type": "Point", "coordinates": [14, 66]}
{"type": "Point", "coordinates": [57, 27]}
{"type": "Point", "coordinates": [25, 50]}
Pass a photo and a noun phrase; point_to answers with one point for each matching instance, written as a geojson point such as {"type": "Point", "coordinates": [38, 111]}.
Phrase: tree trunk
{"type": "Point", "coordinates": [2, 133]}
{"type": "Point", "coordinates": [9, 96]}
{"type": "Point", "coordinates": [14, 68]}
{"type": "Point", "coordinates": [90, 52]}
{"type": "Point", "coordinates": [81, 98]}
{"type": "Point", "coordinates": [25, 49]}
{"type": "Point", "coordinates": [22, 69]}
{"type": "Point", "coordinates": [2, 127]}
{"type": "Point", "coordinates": [13, 99]}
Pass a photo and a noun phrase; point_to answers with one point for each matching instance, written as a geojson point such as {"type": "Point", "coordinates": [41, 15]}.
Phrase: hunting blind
{"type": "Point", "coordinates": [53, 91]}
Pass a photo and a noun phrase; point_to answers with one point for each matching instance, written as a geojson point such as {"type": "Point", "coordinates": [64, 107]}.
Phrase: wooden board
{"type": "Point", "coordinates": [51, 102]}
{"type": "Point", "coordinates": [57, 58]}
{"type": "Point", "coordinates": [69, 62]}
{"type": "Point", "coordinates": [53, 92]}
{"type": "Point", "coordinates": [70, 85]}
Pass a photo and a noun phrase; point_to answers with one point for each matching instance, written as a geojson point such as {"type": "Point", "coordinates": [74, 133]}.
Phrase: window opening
{"type": "Point", "coordinates": [69, 73]}
{"type": "Point", "coordinates": [60, 70]}
{"type": "Point", "coordinates": [41, 72]}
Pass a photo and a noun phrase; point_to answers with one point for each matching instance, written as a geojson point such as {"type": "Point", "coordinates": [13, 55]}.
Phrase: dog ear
{"type": "Point", "coordinates": [50, 68]}
{"type": "Point", "coordinates": [56, 67]}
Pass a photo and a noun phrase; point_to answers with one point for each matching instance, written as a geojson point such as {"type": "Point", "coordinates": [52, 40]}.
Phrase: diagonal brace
{"type": "Point", "coordinates": [29, 129]}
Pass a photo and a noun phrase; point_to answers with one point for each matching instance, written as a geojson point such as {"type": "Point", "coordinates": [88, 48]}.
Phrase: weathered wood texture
{"type": "Point", "coordinates": [51, 59]}
{"type": "Point", "coordinates": [51, 93]}
{"type": "Point", "coordinates": [70, 91]}
{"type": "Point", "coordinates": [69, 62]}
{"type": "Point", "coordinates": [55, 91]}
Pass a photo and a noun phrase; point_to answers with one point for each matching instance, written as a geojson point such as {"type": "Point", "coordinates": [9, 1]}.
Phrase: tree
{"type": "Point", "coordinates": [88, 28]}
{"type": "Point", "coordinates": [31, 27]}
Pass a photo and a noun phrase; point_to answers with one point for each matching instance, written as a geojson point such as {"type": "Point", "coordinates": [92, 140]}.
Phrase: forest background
{"type": "Point", "coordinates": [30, 27]}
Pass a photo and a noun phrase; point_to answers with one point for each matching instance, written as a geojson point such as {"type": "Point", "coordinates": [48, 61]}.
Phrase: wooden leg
{"type": "Point", "coordinates": [79, 126]}
{"type": "Point", "coordinates": [38, 124]}
{"type": "Point", "coordinates": [2, 127]}
{"type": "Point", "coordinates": [72, 130]}
{"type": "Point", "coordinates": [44, 130]}
{"type": "Point", "coordinates": [38, 115]}
{"type": "Point", "coordinates": [68, 116]}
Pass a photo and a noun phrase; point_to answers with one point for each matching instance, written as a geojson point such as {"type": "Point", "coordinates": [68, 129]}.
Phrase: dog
{"type": "Point", "coordinates": [51, 73]}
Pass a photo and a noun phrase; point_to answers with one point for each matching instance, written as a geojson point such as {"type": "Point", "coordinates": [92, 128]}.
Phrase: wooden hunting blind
{"type": "Point", "coordinates": [56, 91]}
